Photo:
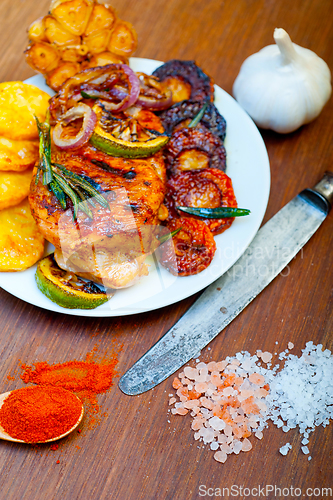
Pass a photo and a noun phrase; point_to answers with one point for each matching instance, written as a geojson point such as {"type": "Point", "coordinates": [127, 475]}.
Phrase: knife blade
{"type": "Point", "coordinates": [274, 246]}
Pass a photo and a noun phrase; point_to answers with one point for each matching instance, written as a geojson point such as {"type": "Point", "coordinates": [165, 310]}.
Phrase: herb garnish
{"type": "Point", "coordinates": [63, 182]}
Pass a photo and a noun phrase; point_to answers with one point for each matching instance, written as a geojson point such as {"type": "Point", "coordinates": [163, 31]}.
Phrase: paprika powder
{"type": "Point", "coordinates": [85, 378]}
{"type": "Point", "coordinates": [38, 414]}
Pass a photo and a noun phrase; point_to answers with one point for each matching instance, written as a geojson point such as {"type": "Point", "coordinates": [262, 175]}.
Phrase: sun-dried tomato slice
{"type": "Point", "coordinates": [209, 188]}
{"type": "Point", "coordinates": [196, 140]}
{"type": "Point", "coordinates": [192, 250]}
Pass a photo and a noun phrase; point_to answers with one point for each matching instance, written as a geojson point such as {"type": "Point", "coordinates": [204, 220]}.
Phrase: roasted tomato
{"type": "Point", "coordinates": [186, 110]}
{"type": "Point", "coordinates": [192, 250]}
{"type": "Point", "coordinates": [186, 80]}
{"type": "Point", "coordinates": [209, 188]}
{"type": "Point", "coordinates": [194, 149]}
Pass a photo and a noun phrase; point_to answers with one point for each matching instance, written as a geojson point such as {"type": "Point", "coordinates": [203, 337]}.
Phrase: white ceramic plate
{"type": "Point", "coordinates": [248, 167]}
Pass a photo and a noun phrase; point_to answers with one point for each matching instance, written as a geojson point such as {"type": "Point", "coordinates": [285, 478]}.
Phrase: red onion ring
{"type": "Point", "coordinates": [95, 76]}
{"type": "Point", "coordinates": [83, 76]}
{"type": "Point", "coordinates": [153, 103]}
{"type": "Point", "coordinates": [152, 95]}
{"type": "Point", "coordinates": [89, 122]}
{"type": "Point", "coordinates": [134, 90]}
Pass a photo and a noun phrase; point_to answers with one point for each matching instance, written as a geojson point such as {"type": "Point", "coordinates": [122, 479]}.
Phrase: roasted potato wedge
{"type": "Point", "coordinates": [19, 104]}
{"type": "Point", "coordinates": [17, 155]}
{"type": "Point", "coordinates": [14, 187]}
{"type": "Point", "coordinates": [21, 242]}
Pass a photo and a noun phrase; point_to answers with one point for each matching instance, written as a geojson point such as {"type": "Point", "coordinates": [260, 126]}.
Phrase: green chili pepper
{"type": "Point", "coordinates": [215, 213]}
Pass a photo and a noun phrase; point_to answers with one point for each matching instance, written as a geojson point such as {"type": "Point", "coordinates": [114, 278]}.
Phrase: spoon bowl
{"type": "Point", "coordinates": [4, 435]}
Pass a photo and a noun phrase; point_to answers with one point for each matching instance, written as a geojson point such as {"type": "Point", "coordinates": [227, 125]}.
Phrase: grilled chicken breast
{"type": "Point", "coordinates": [111, 247]}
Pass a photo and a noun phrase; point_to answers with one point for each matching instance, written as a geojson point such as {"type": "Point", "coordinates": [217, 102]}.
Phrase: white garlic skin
{"type": "Point", "coordinates": [282, 90]}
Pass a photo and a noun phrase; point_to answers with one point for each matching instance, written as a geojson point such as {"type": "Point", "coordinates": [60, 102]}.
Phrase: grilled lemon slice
{"type": "Point", "coordinates": [127, 138]}
{"type": "Point", "coordinates": [65, 288]}
{"type": "Point", "coordinates": [117, 147]}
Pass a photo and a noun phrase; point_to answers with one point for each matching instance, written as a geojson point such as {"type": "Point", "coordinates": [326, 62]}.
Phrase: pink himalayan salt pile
{"type": "Point", "coordinates": [231, 398]}
{"type": "Point", "coordinates": [226, 400]}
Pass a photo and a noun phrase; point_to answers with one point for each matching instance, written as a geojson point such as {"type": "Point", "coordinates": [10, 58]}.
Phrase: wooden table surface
{"type": "Point", "coordinates": [138, 451]}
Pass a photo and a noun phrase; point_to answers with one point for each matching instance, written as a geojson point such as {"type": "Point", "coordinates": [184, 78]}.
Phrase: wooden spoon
{"type": "Point", "coordinates": [8, 437]}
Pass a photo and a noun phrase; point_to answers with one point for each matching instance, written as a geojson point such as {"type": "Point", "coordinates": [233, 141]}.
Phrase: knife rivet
{"type": "Point", "coordinates": [224, 310]}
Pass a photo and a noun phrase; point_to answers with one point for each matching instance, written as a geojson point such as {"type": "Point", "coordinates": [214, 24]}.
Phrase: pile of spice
{"type": "Point", "coordinates": [38, 414]}
{"type": "Point", "coordinates": [232, 399]}
{"type": "Point", "coordinates": [86, 379]}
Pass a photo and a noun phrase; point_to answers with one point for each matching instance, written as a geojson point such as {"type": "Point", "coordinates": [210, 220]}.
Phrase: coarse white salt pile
{"type": "Point", "coordinates": [301, 394]}
{"type": "Point", "coordinates": [232, 399]}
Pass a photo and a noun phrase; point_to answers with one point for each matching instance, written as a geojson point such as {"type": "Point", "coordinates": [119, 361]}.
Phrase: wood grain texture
{"type": "Point", "coordinates": [139, 451]}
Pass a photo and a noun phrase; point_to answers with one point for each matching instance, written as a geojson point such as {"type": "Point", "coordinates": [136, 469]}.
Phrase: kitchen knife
{"type": "Point", "coordinates": [275, 244]}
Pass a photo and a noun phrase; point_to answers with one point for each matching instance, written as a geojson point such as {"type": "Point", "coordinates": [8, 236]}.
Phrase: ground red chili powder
{"type": "Point", "coordinates": [85, 378]}
{"type": "Point", "coordinates": [36, 414]}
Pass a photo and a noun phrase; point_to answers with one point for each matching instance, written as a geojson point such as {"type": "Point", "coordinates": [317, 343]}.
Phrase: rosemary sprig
{"type": "Point", "coordinates": [165, 237]}
{"type": "Point", "coordinates": [63, 182]}
{"type": "Point", "coordinates": [58, 192]}
{"type": "Point", "coordinates": [81, 183]}
{"type": "Point", "coordinates": [44, 152]}
{"type": "Point", "coordinates": [70, 193]}
{"type": "Point", "coordinates": [194, 122]}
{"type": "Point", "coordinates": [82, 195]}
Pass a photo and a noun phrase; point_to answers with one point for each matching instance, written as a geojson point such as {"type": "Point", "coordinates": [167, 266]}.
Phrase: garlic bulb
{"type": "Point", "coordinates": [283, 86]}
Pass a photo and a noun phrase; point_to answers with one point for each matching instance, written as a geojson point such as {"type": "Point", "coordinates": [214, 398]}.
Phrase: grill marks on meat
{"type": "Point", "coordinates": [143, 179]}
{"type": "Point", "coordinates": [111, 248]}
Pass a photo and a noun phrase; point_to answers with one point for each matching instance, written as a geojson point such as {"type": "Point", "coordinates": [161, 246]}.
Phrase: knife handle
{"type": "Point", "coordinates": [321, 195]}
